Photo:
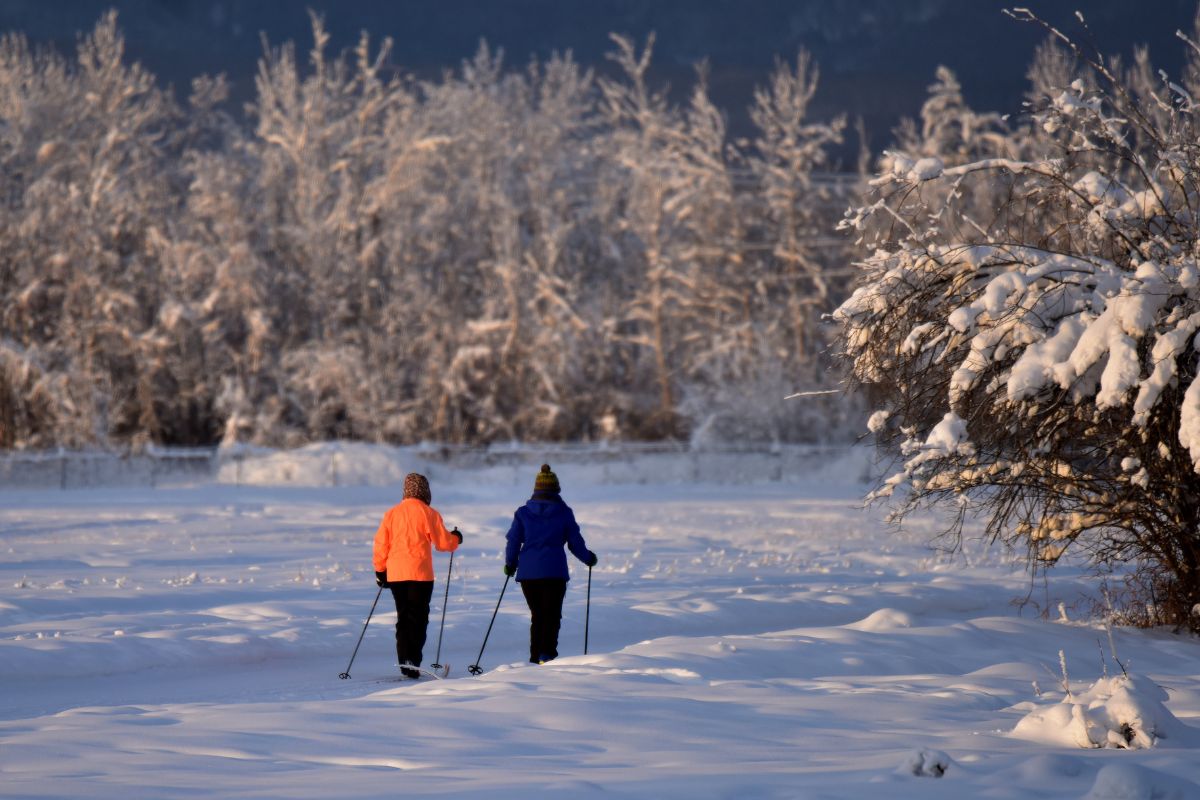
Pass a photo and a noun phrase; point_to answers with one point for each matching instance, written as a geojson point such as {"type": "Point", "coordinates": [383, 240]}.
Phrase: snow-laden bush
{"type": "Point", "coordinates": [925, 764]}
{"type": "Point", "coordinates": [1027, 320]}
{"type": "Point", "coordinates": [1125, 711]}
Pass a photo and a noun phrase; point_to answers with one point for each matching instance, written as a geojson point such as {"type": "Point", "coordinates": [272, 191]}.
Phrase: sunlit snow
{"type": "Point", "coordinates": [766, 638]}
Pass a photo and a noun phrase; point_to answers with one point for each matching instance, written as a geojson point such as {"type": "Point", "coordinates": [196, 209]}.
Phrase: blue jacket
{"type": "Point", "coordinates": [539, 530]}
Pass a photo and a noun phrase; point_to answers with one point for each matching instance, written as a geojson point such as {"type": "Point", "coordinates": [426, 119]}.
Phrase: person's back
{"type": "Point", "coordinates": [403, 561]}
{"type": "Point", "coordinates": [544, 526]}
{"type": "Point", "coordinates": [405, 535]}
{"type": "Point", "coordinates": [535, 554]}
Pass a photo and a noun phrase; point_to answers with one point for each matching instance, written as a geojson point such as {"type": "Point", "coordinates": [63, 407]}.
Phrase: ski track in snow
{"type": "Point", "coordinates": [765, 641]}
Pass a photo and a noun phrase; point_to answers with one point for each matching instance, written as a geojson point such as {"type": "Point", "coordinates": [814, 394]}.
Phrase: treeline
{"type": "Point", "coordinates": [538, 253]}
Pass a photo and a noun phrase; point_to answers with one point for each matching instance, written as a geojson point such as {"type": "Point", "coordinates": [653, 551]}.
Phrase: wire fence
{"type": "Point", "coordinates": [82, 469]}
{"type": "Point", "coordinates": [349, 464]}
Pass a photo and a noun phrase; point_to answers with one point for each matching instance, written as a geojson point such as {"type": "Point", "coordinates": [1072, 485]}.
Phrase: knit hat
{"type": "Point", "coordinates": [546, 481]}
{"type": "Point", "coordinates": [417, 485]}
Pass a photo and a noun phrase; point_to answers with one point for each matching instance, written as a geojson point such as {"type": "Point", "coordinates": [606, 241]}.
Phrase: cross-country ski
{"type": "Point", "coordinates": [405, 669]}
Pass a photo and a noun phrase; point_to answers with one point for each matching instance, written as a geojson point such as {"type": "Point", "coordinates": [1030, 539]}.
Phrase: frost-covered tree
{"type": "Point", "coordinates": [787, 273]}
{"type": "Point", "coordinates": [1053, 66]}
{"type": "Point", "coordinates": [492, 254]}
{"type": "Point", "coordinates": [318, 144]}
{"type": "Point", "coordinates": [788, 149]}
{"type": "Point", "coordinates": [217, 310]}
{"type": "Point", "coordinates": [88, 191]}
{"type": "Point", "coordinates": [1038, 365]}
{"type": "Point", "coordinates": [515, 168]}
{"type": "Point", "coordinates": [677, 219]}
{"type": "Point", "coordinates": [949, 134]}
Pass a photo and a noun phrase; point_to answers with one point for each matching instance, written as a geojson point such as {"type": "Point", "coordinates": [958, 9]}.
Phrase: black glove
{"type": "Point", "coordinates": [458, 533]}
{"type": "Point", "coordinates": [381, 579]}
{"type": "Point", "coordinates": [591, 562]}
{"type": "Point", "coordinates": [510, 570]}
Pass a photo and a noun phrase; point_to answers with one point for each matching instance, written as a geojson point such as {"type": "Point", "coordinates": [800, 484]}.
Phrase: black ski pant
{"type": "Point", "coordinates": [545, 599]}
{"type": "Point", "coordinates": [412, 618]}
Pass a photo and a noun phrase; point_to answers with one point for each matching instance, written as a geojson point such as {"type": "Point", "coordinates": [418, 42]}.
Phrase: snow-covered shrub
{"type": "Point", "coordinates": [1125, 711]}
{"type": "Point", "coordinates": [1035, 359]}
{"type": "Point", "coordinates": [926, 764]}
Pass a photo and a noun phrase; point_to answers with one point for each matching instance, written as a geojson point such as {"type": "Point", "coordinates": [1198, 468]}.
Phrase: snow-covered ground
{"type": "Point", "coordinates": [752, 640]}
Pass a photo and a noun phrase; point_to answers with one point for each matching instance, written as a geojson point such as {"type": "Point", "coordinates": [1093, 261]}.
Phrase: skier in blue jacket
{"type": "Point", "coordinates": [535, 555]}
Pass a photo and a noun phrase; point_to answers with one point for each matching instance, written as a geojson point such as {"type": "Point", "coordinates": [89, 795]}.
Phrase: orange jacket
{"type": "Point", "coordinates": [403, 539]}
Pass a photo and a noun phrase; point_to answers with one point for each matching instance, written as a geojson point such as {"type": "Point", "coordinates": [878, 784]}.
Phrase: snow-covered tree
{"type": "Point", "coordinates": [515, 163]}
{"type": "Point", "coordinates": [318, 144]}
{"type": "Point", "coordinates": [491, 254]}
{"type": "Point", "coordinates": [788, 149]}
{"type": "Point", "coordinates": [1037, 365]}
{"type": "Point", "coordinates": [788, 270]}
{"type": "Point", "coordinates": [217, 312]}
{"type": "Point", "coordinates": [677, 219]}
{"type": "Point", "coordinates": [87, 192]}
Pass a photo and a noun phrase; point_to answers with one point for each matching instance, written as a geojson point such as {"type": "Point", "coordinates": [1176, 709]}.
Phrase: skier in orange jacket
{"type": "Point", "coordinates": [403, 561]}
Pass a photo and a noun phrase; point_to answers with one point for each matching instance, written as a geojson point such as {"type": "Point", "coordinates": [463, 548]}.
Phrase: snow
{"type": "Point", "coordinates": [1062, 321]}
{"type": "Point", "coordinates": [1167, 348]}
{"type": "Point", "coordinates": [948, 434]}
{"type": "Point", "coordinates": [1036, 366]}
{"type": "Point", "coordinates": [763, 638]}
{"type": "Point", "coordinates": [1131, 782]}
{"type": "Point", "coordinates": [321, 464]}
{"type": "Point", "coordinates": [1189, 422]}
{"type": "Point", "coordinates": [928, 763]}
{"type": "Point", "coordinates": [926, 169]}
{"type": "Point", "coordinates": [1126, 711]}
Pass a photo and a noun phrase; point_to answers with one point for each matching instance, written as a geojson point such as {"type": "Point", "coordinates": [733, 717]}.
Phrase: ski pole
{"type": "Point", "coordinates": [346, 674]}
{"type": "Point", "coordinates": [449, 570]}
{"type": "Point", "coordinates": [475, 669]}
{"type": "Point", "coordinates": [587, 614]}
